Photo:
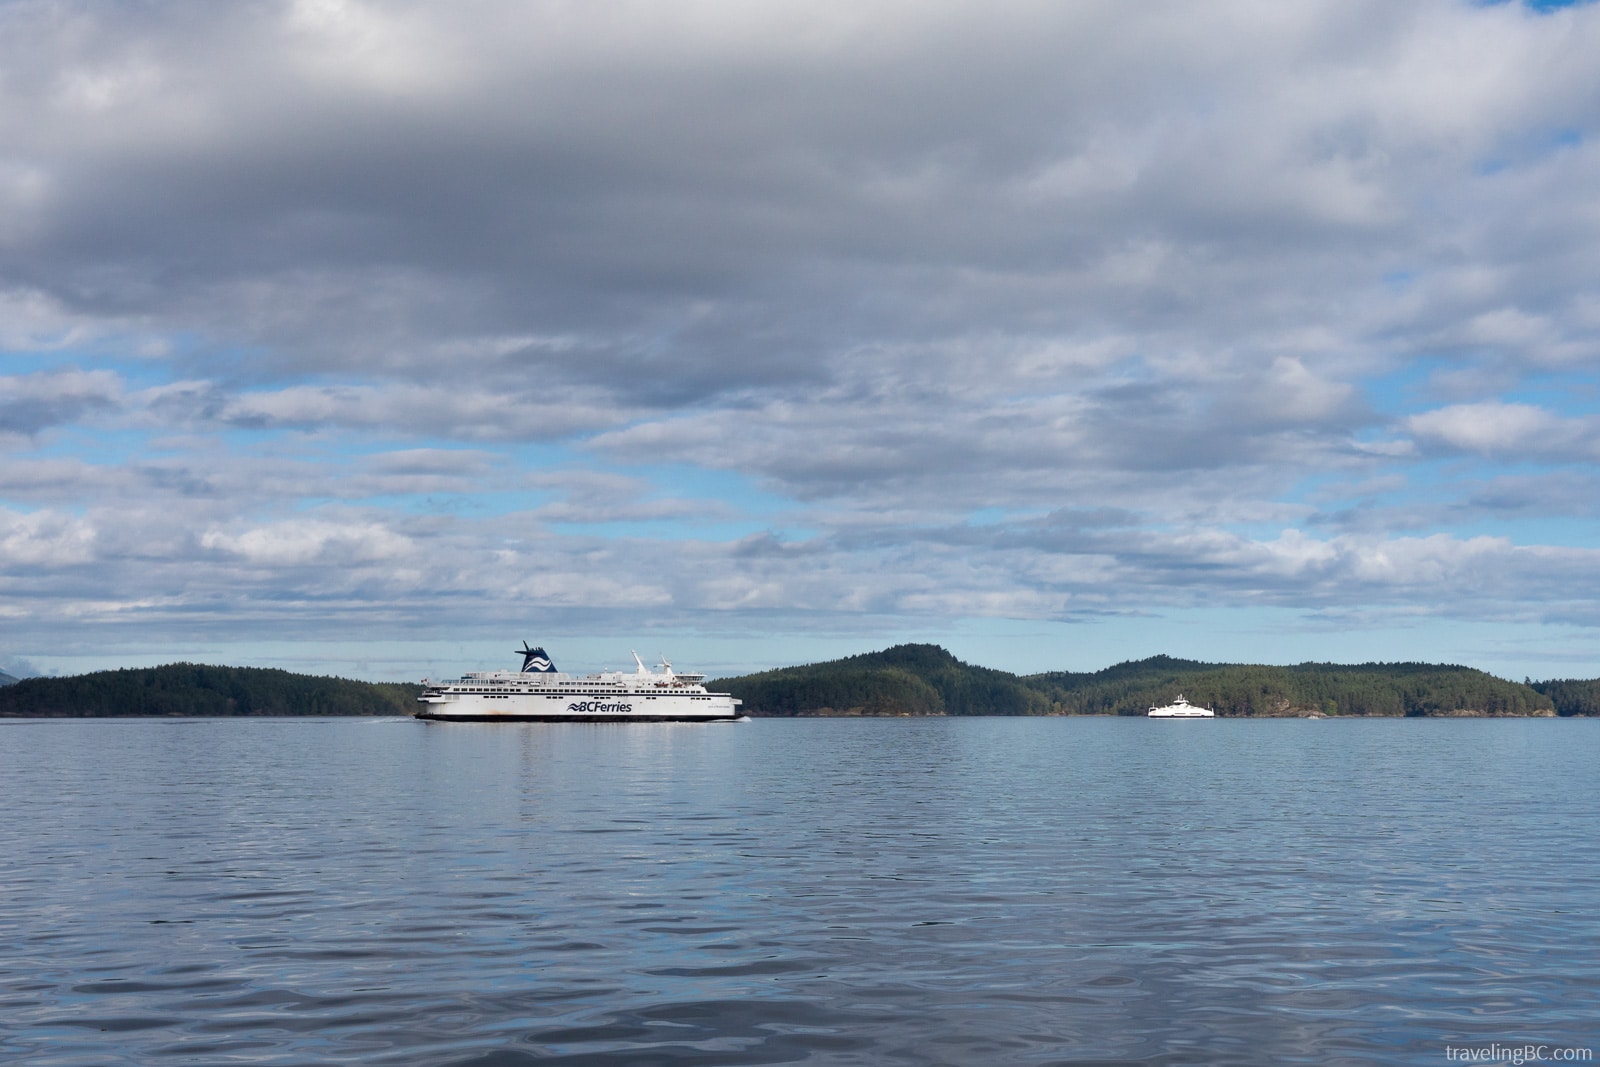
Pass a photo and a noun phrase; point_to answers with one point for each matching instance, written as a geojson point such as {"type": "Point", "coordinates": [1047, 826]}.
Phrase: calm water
{"type": "Point", "coordinates": [963, 891]}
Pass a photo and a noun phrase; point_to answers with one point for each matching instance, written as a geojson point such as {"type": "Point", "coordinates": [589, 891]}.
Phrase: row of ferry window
{"type": "Point", "coordinates": [494, 692]}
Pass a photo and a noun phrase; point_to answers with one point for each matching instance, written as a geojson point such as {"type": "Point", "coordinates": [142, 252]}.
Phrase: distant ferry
{"type": "Point", "coordinates": [540, 693]}
{"type": "Point", "coordinates": [1179, 709]}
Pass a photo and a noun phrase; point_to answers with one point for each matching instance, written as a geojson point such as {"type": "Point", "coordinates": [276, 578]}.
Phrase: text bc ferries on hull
{"type": "Point", "coordinates": [540, 693]}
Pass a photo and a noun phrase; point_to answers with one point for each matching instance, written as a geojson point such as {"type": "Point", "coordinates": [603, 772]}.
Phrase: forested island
{"type": "Point", "coordinates": [904, 680]}
{"type": "Point", "coordinates": [927, 680]}
{"type": "Point", "coordinates": [197, 689]}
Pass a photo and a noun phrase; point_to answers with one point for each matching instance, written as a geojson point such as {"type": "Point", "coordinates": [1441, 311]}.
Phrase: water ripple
{"type": "Point", "coordinates": [830, 892]}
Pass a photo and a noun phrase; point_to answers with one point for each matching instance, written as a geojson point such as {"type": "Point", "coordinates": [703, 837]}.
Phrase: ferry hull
{"type": "Point", "coordinates": [445, 716]}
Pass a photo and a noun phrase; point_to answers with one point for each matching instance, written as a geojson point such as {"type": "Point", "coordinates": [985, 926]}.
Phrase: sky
{"type": "Point", "coordinates": [374, 338]}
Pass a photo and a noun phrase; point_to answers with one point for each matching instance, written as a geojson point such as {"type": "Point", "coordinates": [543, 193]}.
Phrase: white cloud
{"type": "Point", "coordinates": [1507, 430]}
{"type": "Point", "coordinates": [44, 539]}
{"type": "Point", "coordinates": [299, 542]}
{"type": "Point", "coordinates": [381, 48]}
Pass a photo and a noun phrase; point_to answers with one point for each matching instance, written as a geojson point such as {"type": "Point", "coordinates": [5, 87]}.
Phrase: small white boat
{"type": "Point", "coordinates": [1179, 709]}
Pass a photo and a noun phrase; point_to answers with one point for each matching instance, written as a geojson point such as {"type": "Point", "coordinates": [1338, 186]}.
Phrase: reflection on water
{"type": "Point", "coordinates": [983, 891]}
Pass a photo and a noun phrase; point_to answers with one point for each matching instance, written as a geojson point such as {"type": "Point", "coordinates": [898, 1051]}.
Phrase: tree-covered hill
{"type": "Point", "coordinates": [1572, 696]}
{"type": "Point", "coordinates": [196, 689]}
{"type": "Point", "coordinates": [6, 679]}
{"type": "Point", "coordinates": [927, 680]}
{"type": "Point", "coordinates": [904, 680]}
{"type": "Point", "coordinates": [1400, 689]}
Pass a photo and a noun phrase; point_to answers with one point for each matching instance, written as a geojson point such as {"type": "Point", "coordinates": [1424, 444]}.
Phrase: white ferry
{"type": "Point", "coordinates": [540, 693]}
{"type": "Point", "coordinates": [1179, 709]}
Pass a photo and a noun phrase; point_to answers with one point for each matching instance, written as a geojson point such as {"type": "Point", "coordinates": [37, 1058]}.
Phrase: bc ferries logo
{"type": "Point", "coordinates": [600, 707]}
{"type": "Point", "coordinates": [535, 661]}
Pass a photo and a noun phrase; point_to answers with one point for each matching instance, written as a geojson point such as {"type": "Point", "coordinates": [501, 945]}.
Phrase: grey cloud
{"type": "Point", "coordinates": [687, 511]}
{"type": "Point", "coordinates": [462, 412]}
{"type": "Point", "coordinates": [34, 402]}
{"type": "Point", "coordinates": [1121, 274]}
{"type": "Point", "coordinates": [53, 480]}
{"type": "Point", "coordinates": [595, 497]}
{"type": "Point", "coordinates": [433, 462]}
{"type": "Point", "coordinates": [982, 445]}
{"type": "Point", "coordinates": [205, 484]}
{"type": "Point", "coordinates": [1565, 493]}
{"type": "Point", "coordinates": [1466, 498]}
{"type": "Point", "coordinates": [538, 168]}
{"type": "Point", "coordinates": [173, 563]}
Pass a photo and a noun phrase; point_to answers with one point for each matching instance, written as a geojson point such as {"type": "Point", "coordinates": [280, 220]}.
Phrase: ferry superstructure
{"type": "Point", "coordinates": [1179, 709]}
{"type": "Point", "coordinates": [540, 693]}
